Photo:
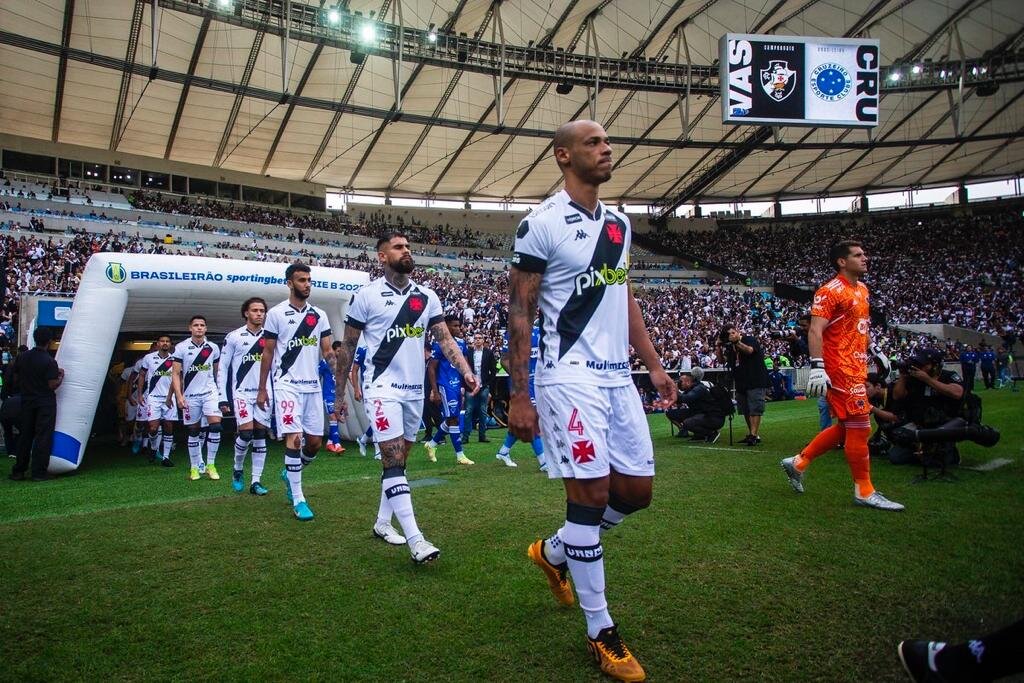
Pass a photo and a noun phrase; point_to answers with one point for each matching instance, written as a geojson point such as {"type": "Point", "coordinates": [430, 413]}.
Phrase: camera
{"type": "Point", "coordinates": [723, 336]}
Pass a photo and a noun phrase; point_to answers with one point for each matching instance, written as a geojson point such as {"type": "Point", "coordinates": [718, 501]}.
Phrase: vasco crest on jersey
{"type": "Point", "coordinates": [417, 303]}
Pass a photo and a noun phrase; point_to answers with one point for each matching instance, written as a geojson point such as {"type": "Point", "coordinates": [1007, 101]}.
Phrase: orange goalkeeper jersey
{"type": "Point", "coordinates": [845, 340]}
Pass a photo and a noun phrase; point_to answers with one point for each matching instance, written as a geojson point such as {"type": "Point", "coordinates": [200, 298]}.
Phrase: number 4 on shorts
{"type": "Point", "coordinates": [575, 425]}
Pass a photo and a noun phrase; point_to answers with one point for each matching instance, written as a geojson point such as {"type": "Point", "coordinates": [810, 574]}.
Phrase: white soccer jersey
{"type": "Point", "coordinates": [393, 323]}
{"type": "Point", "coordinates": [584, 261]}
{"type": "Point", "coordinates": [158, 374]}
{"type": "Point", "coordinates": [240, 363]}
{"type": "Point", "coordinates": [297, 355]}
{"type": "Point", "coordinates": [197, 360]}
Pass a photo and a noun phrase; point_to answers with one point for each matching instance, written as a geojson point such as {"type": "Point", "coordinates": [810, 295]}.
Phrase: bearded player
{"type": "Point", "coordinates": [839, 340]}
{"type": "Point", "coordinates": [572, 255]}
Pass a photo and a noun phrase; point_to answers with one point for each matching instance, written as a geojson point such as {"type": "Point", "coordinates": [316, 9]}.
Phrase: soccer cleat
{"type": "Point", "coordinates": [335, 447]}
{"type": "Point", "coordinates": [236, 480]}
{"type": "Point", "coordinates": [388, 534]}
{"type": "Point", "coordinates": [202, 468]}
{"type": "Point", "coordinates": [302, 512]}
{"type": "Point", "coordinates": [423, 551]}
{"type": "Point", "coordinates": [918, 658]}
{"type": "Point", "coordinates": [463, 460]}
{"type": "Point", "coordinates": [507, 459]}
{"type": "Point", "coordinates": [287, 485]}
{"type": "Point", "coordinates": [166, 462]}
{"type": "Point", "coordinates": [258, 489]}
{"type": "Point", "coordinates": [614, 657]}
{"type": "Point", "coordinates": [376, 455]}
{"type": "Point", "coordinates": [431, 451]}
{"type": "Point", "coordinates": [212, 473]}
{"type": "Point", "coordinates": [878, 501]}
{"type": "Point", "coordinates": [796, 477]}
{"type": "Point", "coordinates": [713, 436]}
{"type": "Point", "coordinates": [558, 581]}
{"type": "Point", "coordinates": [361, 442]}
{"type": "Point", "coordinates": [136, 447]}
{"type": "Point", "coordinates": [543, 467]}
{"type": "Point", "coordinates": [193, 474]}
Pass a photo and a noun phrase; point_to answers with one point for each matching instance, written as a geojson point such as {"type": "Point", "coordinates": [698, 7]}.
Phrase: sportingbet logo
{"type": "Point", "coordinates": [252, 358]}
{"type": "Point", "coordinates": [404, 332]}
{"type": "Point", "coordinates": [606, 276]}
{"type": "Point", "coordinates": [299, 341]}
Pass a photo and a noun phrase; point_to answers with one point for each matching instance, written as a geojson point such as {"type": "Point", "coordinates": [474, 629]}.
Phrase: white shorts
{"type": "Point", "coordinates": [391, 418]}
{"type": "Point", "coordinates": [299, 412]}
{"type": "Point", "coordinates": [198, 407]}
{"type": "Point", "coordinates": [245, 409]}
{"type": "Point", "coordinates": [590, 430]}
{"type": "Point", "coordinates": [157, 409]}
{"type": "Point", "coordinates": [131, 412]}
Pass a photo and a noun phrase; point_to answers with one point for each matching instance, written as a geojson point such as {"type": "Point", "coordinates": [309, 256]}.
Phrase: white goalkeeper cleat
{"type": "Point", "coordinates": [878, 501]}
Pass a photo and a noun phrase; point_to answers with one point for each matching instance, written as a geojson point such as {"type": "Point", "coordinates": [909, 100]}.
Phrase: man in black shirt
{"type": "Point", "coordinates": [743, 356]}
{"type": "Point", "coordinates": [696, 412]}
{"type": "Point", "coordinates": [38, 377]}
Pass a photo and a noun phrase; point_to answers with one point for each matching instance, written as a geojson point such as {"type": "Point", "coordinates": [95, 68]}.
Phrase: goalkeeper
{"type": "Point", "coordinates": [839, 342]}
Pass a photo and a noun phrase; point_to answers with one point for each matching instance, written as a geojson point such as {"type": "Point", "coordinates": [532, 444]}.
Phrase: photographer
{"type": "Point", "coordinates": [743, 356]}
{"type": "Point", "coordinates": [936, 412]}
{"type": "Point", "coordinates": [697, 412]}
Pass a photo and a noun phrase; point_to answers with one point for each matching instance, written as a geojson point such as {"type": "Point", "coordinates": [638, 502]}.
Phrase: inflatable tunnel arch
{"type": "Point", "coordinates": [147, 293]}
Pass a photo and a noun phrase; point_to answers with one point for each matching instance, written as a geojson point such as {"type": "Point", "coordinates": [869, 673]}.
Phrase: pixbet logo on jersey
{"type": "Point", "coordinates": [600, 278]}
{"type": "Point", "coordinates": [406, 331]}
{"type": "Point", "coordinates": [252, 358]}
{"type": "Point", "coordinates": [300, 341]}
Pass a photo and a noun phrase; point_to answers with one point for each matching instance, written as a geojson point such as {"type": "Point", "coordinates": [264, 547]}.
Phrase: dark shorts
{"type": "Point", "coordinates": [750, 402]}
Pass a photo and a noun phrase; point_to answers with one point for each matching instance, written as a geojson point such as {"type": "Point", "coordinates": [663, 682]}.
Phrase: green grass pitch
{"type": "Point", "coordinates": [127, 571]}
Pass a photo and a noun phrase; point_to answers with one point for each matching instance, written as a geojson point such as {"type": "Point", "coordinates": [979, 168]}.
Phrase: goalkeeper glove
{"type": "Point", "coordinates": [818, 382]}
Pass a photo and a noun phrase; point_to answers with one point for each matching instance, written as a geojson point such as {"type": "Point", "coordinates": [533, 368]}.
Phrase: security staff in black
{"type": "Point", "coordinates": [38, 376]}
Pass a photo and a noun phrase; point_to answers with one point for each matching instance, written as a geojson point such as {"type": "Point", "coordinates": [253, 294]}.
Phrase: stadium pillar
{"type": "Point", "coordinates": [777, 209]}
{"type": "Point", "coordinates": [698, 212]}
{"type": "Point", "coordinates": [961, 194]}
{"type": "Point", "coordinates": [864, 202]}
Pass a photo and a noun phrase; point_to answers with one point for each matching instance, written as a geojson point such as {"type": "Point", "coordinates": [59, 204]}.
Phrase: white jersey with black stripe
{"type": "Point", "coordinates": [240, 362]}
{"type": "Point", "coordinates": [298, 332]}
{"type": "Point", "coordinates": [394, 323]}
{"type": "Point", "coordinates": [583, 259]}
{"type": "Point", "coordinates": [197, 361]}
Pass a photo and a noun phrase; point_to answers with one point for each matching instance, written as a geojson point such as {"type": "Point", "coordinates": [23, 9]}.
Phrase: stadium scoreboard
{"type": "Point", "coordinates": [799, 81]}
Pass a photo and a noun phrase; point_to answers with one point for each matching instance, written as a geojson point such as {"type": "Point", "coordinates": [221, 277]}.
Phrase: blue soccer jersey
{"type": "Point", "coordinates": [327, 381]}
{"type": "Point", "coordinates": [449, 381]}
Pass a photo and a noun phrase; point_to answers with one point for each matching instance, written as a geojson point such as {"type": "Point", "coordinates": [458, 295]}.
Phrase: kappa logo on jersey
{"type": "Point", "coordinates": [581, 234]}
{"type": "Point", "coordinates": [583, 451]}
{"type": "Point", "coordinates": [601, 277]}
{"type": "Point", "coordinates": [614, 232]}
{"type": "Point", "coordinates": [389, 302]}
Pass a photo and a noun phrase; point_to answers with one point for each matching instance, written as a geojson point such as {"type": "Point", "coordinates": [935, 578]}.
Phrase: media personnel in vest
{"type": "Point", "coordinates": [696, 413]}
{"type": "Point", "coordinates": [935, 411]}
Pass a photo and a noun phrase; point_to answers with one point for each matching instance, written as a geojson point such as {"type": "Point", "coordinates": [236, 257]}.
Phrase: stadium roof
{"type": "Point", "coordinates": [82, 72]}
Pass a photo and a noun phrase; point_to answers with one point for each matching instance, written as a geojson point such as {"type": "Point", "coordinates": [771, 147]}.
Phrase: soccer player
{"type": "Point", "coordinates": [505, 452]}
{"type": "Point", "coordinates": [839, 341]}
{"type": "Point", "coordinates": [356, 378]}
{"type": "Point", "coordinates": [392, 314]}
{"type": "Point", "coordinates": [446, 391]}
{"type": "Point", "coordinates": [194, 382]}
{"type": "Point", "coordinates": [240, 372]}
{"type": "Point", "coordinates": [154, 387]}
{"type": "Point", "coordinates": [327, 385]}
{"type": "Point", "coordinates": [572, 253]}
{"type": "Point", "coordinates": [297, 336]}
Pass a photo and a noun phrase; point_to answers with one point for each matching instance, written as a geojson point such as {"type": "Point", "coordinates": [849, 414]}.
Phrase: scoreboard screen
{"type": "Point", "coordinates": [799, 81]}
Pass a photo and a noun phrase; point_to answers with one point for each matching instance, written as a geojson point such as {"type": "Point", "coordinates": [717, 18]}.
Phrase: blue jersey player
{"type": "Point", "coordinates": [446, 390]}
{"type": "Point", "coordinates": [327, 389]}
{"type": "Point", "coordinates": [504, 453]}
{"type": "Point", "coordinates": [355, 378]}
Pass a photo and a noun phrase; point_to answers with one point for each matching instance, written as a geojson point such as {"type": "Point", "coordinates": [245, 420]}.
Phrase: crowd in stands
{"type": "Point", "coordinates": [965, 271]}
{"type": "Point", "coordinates": [683, 321]}
{"type": "Point", "coordinates": [371, 224]}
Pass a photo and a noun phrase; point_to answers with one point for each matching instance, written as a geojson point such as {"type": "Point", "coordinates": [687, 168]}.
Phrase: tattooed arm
{"type": "Point", "coordinates": [343, 363]}
{"type": "Point", "coordinates": [524, 288]}
{"type": "Point", "coordinates": [454, 355]}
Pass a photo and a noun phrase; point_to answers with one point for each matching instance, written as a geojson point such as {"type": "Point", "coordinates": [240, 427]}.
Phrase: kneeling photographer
{"type": "Point", "coordinates": [701, 410]}
{"type": "Point", "coordinates": [936, 412]}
